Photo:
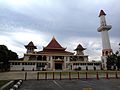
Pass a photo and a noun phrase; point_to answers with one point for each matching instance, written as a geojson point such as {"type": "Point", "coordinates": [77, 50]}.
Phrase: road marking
{"type": "Point", "coordinates": [90, 83]}
{"type": "Point", "coordinates": [58, 84]}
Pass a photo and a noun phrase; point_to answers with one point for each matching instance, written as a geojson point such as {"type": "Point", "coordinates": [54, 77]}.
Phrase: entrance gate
{"type": "Point", "coordinates": [58, 65]}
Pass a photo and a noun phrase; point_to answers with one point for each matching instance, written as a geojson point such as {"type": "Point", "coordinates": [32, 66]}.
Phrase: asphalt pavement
{"type": "Point", "coordinates": [74, 84]}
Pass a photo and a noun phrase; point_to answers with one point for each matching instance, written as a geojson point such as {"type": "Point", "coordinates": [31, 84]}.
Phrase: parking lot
{"type": "Point", "coordinates": [74, 84]}
{"type": "Point", "coordinates": [82, 80]}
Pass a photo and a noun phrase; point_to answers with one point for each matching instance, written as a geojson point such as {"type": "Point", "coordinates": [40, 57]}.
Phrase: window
{"type": "Point", "coordinates": [96, 64]}
{"type": "Point", "coordinates": [44, 58]}
{"type": "Point", "coordinates": [90, 63]}
{"type": "Point", "coordinates": [103, 53]}
{"type": "Point", "coordinates": [106, 52]}
{"type": "Point", "coordinates": [16, 63]}
{"type": "Point", "coordinates": [32, 57]}
{"type": "Point", "coordinates": [12, 63]}
{"type": "Point", "coordinates": [71, 58]}
{"type": "Point", "coordinates": [39, 58]}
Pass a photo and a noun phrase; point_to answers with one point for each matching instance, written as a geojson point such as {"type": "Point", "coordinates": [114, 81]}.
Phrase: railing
{"type": "Point", "coordinates": [45, 75]}
{"type": "Point", "coordinates": [77, 75]}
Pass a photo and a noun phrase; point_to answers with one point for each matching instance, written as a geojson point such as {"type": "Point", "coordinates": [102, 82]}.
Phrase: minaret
{"type": "Point", "coordinates": [104, 28]}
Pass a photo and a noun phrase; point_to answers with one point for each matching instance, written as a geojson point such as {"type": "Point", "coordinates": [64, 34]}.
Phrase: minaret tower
{"type": "Point", "coordinates": [104, 28]}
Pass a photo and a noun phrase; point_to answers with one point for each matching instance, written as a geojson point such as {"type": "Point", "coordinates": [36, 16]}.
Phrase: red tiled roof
{"type": "Point", "coordinates": [55, 52]}
{"type": "Point", "coordinates": [102, 13]}
{"type": "Point", "coordinates": [54, 45]}
{"type": "Point", "coordinates": [30, 45]}
{"type": "Point", "coordinates": [54, 48]}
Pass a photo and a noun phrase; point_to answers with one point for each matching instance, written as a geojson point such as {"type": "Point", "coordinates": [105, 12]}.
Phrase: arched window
{"type": "Point", "coordinates": [32, 58]}
{"type": "Point", "coordinates": [106, 52]}
{"type": "Point", "coordinates": [44, 58]}
{"type": "Point", "coordinates": [39, 57]}
{"type": "Point", "coordinates": [103, 53]}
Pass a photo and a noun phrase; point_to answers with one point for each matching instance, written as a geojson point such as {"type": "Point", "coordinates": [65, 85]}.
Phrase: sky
{"type": "Point", "coordinates": [71, 22]}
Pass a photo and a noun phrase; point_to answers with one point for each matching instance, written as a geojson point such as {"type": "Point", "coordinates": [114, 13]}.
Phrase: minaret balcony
{"type": "Point", "coordinates": [103, 28]}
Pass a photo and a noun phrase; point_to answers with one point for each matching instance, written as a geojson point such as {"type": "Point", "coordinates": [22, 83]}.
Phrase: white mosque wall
{"type": "Point", "coordinates": [25, 67]}
{"type": "Point", "coordinates": [33, 67]}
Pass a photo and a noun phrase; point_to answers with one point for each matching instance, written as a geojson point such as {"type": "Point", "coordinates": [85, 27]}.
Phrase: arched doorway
{"type": "Point", "coordinates": [59, 65]}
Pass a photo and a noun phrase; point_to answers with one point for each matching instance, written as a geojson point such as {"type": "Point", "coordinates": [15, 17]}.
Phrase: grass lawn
{"type": "Point", "coordinates": [2, 82]}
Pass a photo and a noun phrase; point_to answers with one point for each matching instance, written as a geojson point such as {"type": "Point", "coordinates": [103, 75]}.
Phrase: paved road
{"type": "Point", "coordinates": [82, 84]}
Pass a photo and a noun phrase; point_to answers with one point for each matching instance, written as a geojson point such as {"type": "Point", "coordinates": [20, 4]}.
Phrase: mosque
{"type": "Point", "coordinates": [55, 57]}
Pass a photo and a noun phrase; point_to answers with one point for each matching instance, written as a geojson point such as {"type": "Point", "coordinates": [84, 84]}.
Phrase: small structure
{"type": "Point", "coordinates": [79, 50]}
{"type": "Point", "coordinates": [30, 47]}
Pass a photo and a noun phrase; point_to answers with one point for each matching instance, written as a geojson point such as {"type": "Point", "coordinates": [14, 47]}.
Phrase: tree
{"type": "Point", "coordinates": [5, 56]}
{"type": "Point", "coordinates": [12, 55]}
{"type": "Point", "coordinates": [113, 60]}
{"type": "Point", "coordinates": [118, 58]}
{"type": "Point", "coordinates": [118, 63]}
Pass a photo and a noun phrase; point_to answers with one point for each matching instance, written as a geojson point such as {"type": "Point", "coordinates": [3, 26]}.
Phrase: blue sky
{"type": "Point", "coordinates": [70, 21]}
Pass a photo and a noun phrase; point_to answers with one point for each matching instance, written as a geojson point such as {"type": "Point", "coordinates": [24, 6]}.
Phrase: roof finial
{"type": "Point", "coordinates": [101, 13]}
{"type": "Point", "coordinates": [53, 37]}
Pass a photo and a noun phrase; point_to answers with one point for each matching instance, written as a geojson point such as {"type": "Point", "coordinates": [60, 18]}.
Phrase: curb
{"type": "Point", "coordinates": [7, 85]}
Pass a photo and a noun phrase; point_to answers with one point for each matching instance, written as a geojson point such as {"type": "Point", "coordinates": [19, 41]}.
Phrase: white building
{"type": "Point", "coordinates": [54, 57]}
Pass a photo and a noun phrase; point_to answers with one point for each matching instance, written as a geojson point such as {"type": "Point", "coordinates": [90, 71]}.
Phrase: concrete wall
{"type": "Point", "coordinates": [90, 67]}
{"type": "Point", "coordinates": [20, 67]}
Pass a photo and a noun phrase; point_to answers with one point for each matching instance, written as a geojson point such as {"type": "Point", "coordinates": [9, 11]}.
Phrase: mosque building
{"type": "Point", "coordinates": [54, 57]}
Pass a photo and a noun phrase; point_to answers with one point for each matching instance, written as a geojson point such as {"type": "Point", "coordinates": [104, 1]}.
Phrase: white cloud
{"type": "Point", "coordinates": [73, 21]}
{"type": "Point", "coordinates": [19, 37]}
{"type": "Point", "coordinates": [93, 45]}
{"type": "Point", "coordinates": [16, 41]}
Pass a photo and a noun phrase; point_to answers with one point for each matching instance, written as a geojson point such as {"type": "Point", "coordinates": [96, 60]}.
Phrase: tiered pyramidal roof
{"type": "Point", "coordinates": [30, 44]}
{"type": "Point", "coordinates": [80, 48]}
{"type": "Point", "coordinates": [54, 48]}
{"type": "Point", "coordinates": [54, 45]}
